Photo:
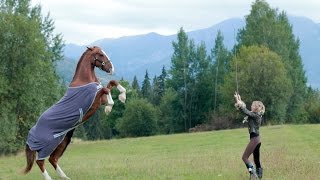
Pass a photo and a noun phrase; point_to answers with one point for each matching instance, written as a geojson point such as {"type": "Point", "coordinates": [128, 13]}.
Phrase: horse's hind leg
{"type": "Point", "coordinates": [43, 170]}
{"type": "Point", "coordinates": [58, 152]}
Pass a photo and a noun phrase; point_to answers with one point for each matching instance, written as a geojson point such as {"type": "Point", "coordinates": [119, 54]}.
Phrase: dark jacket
{"type": "Point", "coordinates": [254, 120]}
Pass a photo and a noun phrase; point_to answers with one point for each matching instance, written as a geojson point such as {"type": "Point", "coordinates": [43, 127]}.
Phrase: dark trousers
{"type": "Point", "coordinates": [253, 147]}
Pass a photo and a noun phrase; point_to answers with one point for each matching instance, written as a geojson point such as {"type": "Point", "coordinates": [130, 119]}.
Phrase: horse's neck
{"type": "Point", "coordinates": [84, 74]}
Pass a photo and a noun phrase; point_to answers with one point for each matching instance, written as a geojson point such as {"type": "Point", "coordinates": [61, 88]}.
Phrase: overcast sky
{"type": "Point", "coordinates": [84, 21]}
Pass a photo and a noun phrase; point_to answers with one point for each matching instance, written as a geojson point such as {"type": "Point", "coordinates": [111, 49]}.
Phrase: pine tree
{"type": "Point", "coordinates": [202, 101]}
{"type": "Point", "coordinates": [221, 66]}
{"type": "Point", "coordinates": [146, 87]}
{"type": "Point", "coordinates": [155, 91]}
{"type": "Point", "coordinates": [162, 81]}
{"type": "Point", "coordinates": [158, 87]}
{"type": "Point", "coordinates": [135, 85]}
{"type": "Point", "coordinates": [180, 76]}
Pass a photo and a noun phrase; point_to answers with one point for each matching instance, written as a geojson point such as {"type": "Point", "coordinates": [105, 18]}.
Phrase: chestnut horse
{"type": "Point", "coordinates": [53, 131]}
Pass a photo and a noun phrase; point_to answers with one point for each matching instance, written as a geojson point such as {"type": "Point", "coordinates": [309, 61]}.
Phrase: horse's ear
{"type": "Point", "coordinates": [89, 48]}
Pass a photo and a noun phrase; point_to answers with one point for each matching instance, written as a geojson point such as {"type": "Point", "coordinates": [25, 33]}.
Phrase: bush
{"type": "Point", "coordinates": [312, 105]}
{"type": "Point", "coordinates": [139, 119]}
{"type": "Point", "coordinates": [217, 122]}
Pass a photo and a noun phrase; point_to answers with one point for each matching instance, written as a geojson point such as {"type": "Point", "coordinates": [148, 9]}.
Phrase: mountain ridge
{"type": "Point", "coordinates": [133, 55]}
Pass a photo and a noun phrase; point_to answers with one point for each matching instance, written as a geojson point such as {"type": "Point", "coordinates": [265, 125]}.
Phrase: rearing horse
{"type": "Point", "coordinates": [53, 131]}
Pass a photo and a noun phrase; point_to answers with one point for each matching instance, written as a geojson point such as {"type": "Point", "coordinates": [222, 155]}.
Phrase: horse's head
{"type": "Point", "coordinates": [101, 60]}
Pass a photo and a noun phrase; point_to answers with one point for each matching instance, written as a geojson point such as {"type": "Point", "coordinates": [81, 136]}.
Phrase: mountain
{"type": "Point", "coordinates": [308, 33]}
{"type": "Point", "coordinates": [133, 55]}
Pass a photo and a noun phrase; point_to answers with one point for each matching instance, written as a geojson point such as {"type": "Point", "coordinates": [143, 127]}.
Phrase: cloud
{"type": "Point", "coordinates": [96, 19]}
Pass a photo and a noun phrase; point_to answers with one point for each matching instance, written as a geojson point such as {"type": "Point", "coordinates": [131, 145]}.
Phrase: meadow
{"type": "Point", "coordinates": [287, 152]}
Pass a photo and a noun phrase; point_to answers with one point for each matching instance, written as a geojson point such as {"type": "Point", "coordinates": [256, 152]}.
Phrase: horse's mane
{"type": "Point", "coordinates": [80, 60]}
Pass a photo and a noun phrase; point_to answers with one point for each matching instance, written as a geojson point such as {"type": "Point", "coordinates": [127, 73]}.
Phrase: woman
{"type": "Point", "coordinates": [253, 119]}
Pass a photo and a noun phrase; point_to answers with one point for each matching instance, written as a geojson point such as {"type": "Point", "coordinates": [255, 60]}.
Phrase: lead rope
{"type": "Point", "coordinates": [234, 52]}
{"type": "Point", "coordinates": [215, 86]}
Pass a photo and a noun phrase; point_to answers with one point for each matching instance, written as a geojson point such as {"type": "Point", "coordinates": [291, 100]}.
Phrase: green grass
{"type": "Point", "coordinates": [287, 152]}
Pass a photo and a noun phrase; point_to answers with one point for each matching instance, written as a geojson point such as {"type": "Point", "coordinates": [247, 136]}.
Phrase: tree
{"type": "Point", "coordinates": [162, 81]}
{"type": "Point", "coordinates": [94, 129]}
{"type": "Point", "coordinates": [221, 66]}
{"type": "Point", "coordinates": [139, 119]}
{"type": "Point", "coordinates": [168, 122]}
{"type": "Point", "coordinates": [190, 78]}
{"type": "Point", "coordinates": [312, 105]}
{"type": "Point", "coordinates": [265, 26]}
{"type": "Point", "coordinates": [158, 87]}
{"type": "Point", "coordinates": [201, 102]}
{"type": "Point", "coordinates": [179, 73]}
{"type": "Point", "coordinates": [28, 50]}
{"type": "Point", "coordinates": [155, 91]}
{"type": "Point", "coordinates": [146, 87]}
{"type": "Point", "coordinates": [135, 85]}
{"type": "Point", "coordinates": [262, 76]}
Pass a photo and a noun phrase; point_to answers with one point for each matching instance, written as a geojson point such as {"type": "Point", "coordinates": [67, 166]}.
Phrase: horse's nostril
{"type": "Point", "coordinates": [109, 71]}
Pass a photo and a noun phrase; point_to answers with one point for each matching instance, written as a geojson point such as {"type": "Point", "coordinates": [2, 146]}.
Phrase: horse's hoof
{"type": "Point", "coordinates": [107, 109]}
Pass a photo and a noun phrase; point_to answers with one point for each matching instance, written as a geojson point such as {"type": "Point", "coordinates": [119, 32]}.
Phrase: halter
{"type": "Point", "coordinates": [103, 63]}
{"type": "Point", "coordinates": [96, 59]}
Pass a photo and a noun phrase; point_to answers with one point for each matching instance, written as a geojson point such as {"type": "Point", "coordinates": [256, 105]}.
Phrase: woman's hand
{"type": "Point", "coordinates": [239, 103]}
{"type": "Point", "coordinates": [237, 97]}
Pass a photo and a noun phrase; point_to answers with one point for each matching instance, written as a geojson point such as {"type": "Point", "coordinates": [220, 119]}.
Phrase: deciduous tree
{"type": "Point", "coordinates": [28, 50]}
{"type": "Point", "coordinates": [262, 76]}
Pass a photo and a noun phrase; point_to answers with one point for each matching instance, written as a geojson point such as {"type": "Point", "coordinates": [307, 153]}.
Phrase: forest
{"type": "Point", "coordinates": [194, 94]}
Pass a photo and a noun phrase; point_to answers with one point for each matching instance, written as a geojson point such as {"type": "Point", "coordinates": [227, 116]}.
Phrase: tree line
{"type": "Point", "coordinates": [195, 92]}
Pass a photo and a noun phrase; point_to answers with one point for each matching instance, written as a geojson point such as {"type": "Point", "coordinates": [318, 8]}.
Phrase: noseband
{"type": "Point", "coordinates": [96, 59]}
{"type": "Point", "coordinates": [102, 64]}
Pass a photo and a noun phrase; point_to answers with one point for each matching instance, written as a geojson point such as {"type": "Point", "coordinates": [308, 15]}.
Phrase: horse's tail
{"type": "Point", "coordinates": [30, 156]}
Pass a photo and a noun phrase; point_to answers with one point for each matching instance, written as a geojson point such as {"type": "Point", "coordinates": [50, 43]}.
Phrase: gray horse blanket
{"type": "Point", "coordinates": [62, 117]}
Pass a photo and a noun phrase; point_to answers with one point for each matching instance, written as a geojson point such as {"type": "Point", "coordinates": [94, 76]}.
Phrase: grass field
{"type": "Point", "coordinates": [287, 152]}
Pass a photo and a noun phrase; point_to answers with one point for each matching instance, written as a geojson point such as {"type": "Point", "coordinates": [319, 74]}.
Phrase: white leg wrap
{"type": "Point", "coordinates": [121, 89]}
{"type": "Point", "coordinates": [61, 174]}
{"type": "Point", "coordinates": [46, 175]}
{"type": "Point", "coordinates": [108, 109]}
{"type": "Point", "coordinates": [110, 100]}
{"type": "Point", "coordinates": [122, 95]}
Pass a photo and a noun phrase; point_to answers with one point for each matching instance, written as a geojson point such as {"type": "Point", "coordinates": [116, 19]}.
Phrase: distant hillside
{"type": "Point", "coordinates": [132, 55]}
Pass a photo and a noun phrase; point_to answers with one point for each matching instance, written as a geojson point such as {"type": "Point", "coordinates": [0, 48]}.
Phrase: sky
{"type": "Point", "coordinates": [84, 21]}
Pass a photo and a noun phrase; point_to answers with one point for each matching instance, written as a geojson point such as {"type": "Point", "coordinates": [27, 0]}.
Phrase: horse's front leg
{"type": "Point", "coordinates": [105, 99]}
{"type": "Point", "coordinates": [122, 95]}
{"type": "Point", "coordinates": [110, 103]}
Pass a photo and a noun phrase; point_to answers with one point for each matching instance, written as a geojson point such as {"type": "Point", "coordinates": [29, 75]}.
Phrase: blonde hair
{"type": "Point", "coordinates": [259, 107]}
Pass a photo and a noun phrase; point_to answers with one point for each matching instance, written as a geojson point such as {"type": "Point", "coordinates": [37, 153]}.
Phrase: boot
{"type": "Point", "coordinates": [259, 172]}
